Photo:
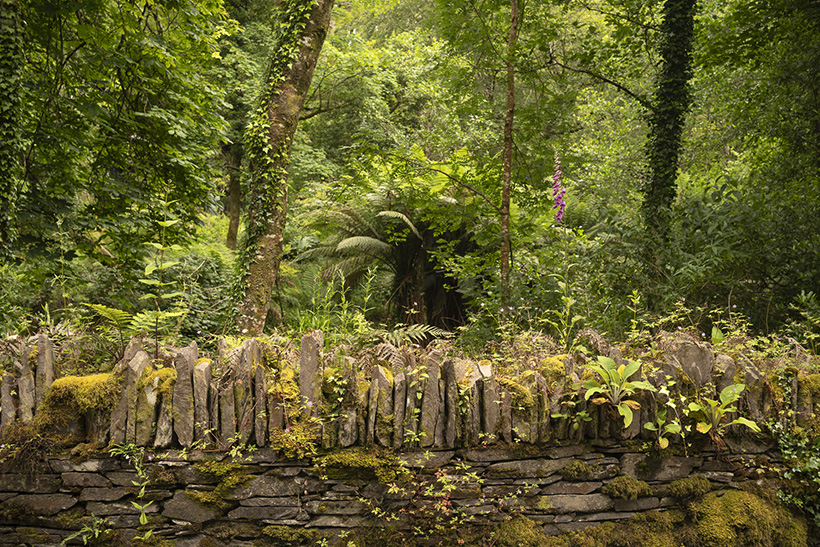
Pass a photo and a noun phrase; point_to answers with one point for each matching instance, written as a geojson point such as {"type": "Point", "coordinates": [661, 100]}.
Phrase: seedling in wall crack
{"type": "Point", "coordinates": [710, 414]}
{"type": "Point", "coordinates": [615, 387]}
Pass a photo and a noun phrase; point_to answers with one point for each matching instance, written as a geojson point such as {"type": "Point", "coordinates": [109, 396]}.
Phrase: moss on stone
{"type": "Point", "coordinates": [579, 470]}
{"type": "Point", "coordinates": [361, 463]}
{"type": "Point", "coordinates": [290, 536]}
{"type": "Point", "coordinates": [297, 441]}
{"type": "Point", "coordinates": [82, 394]}
{"type": "Point", "coordinates": [626, 488]}
{"type": "Point", "coordinates": [728, 519]}
{"type": "Point", "coordinates": [227, 474]}
{"type": "Point", "coordinates": [695, 486]}
{"type": "Point", "coordinates": [810, 382]}
{"type": "Point", "coordinates": [521, 396]}
{"type": "Point", "coordinates": [164, 378]}
{"type": "Point", "coordinates": [553, 370]}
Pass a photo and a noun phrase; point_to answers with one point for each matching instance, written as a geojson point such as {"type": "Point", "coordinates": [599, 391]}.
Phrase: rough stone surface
{"type": "Point", "coordinates": [8, 407]}
{"type": "Point", "coordinates": [133, 373]}
{"type": "Point", "coordinates": [25, 386]}
{"type": "Point", "coordinates": [181, 507]}
{"type": "Point", "coordinates": [348, 432]}
{"type": "Point", "coordinates": [260, 391]}
{"type": "Point", "coordinates": [183, 415]}
{"type": "Point", "coordinates": [399, 407]}
{"type": "Point", "coordinates": [44, 372]}
{"type": "Point", "coordinates": [577, 503]}
{"type": "Point", "coordinates": [243, 391]}
{"type": "Point", "coordinates": [44, 504]}
{"type": "Point", "coordinates": [202, 377]}
{"type": "Point", "coordinates": [430, 403]}
{"type": "Point", "coordinates": [84, 480]}
{"type": "Point", "coordinates": [381, 406]}
{"type": "Point", "coordinates": [310, 380]}
{"type": "Point", "coordinates": [527, 468]}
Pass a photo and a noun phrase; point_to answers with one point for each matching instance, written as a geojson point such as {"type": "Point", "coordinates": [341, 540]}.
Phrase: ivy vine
{"type": "Point", "coordinates": [671, 101]}
{"type": "Point", "coordinates": [11, 64]}
{"type": "Point", "coordinates": [266, 201]}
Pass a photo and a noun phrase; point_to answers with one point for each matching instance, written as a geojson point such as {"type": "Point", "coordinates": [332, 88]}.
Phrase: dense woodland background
{"type": "Point", "coordinates": [122, 168]}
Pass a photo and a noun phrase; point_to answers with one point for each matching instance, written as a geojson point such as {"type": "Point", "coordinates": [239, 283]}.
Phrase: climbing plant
{"type": "Point", "coordinates": [303, 25]}
{"type": "Point", "coordinates": [11, 61]}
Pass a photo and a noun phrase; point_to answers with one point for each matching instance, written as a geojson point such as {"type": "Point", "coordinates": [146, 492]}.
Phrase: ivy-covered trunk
{"type": "Point", "coordinates": [11, 63]}
{"type": "Point", "coordinates": [666, 117]}
{"type": "Point", "coordinates": [303, 26]}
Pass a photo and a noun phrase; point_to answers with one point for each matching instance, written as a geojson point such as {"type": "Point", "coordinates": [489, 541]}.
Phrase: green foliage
{"type": "Point", "coordinates": [11, 142]}
{"type": "Point", "coordinates": [615, 386]}
{"type": "Point", "coordinates": [102, 155]}
{"type": "Point", "coordinates": [710, 414]}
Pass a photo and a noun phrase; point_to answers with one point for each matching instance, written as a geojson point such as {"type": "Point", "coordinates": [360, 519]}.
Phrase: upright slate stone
{"type": "Point", "coordinates": [243, 391]}
{"type": "Point", "coordinates": [260, 390]}
{"type": "Point", "coordinates": [505, 424]}
{"type": "Point", "coordinates": [399, 408]}
{"type": "Point", "coordinates": [412, 400]}
{"type": "Point", "coordinates": [310, 379]}
{"type": "Point", "coordinates": [544, 430]}
{"type": "Point", "coordinates": [44, 373]}
{"type": "Point", "coordinates": [165, 421]}
{"type": "Point", "coordinates": [202, 387]}
{"type": "Point", "coordinates": [688, 356]}
{"type": "Point", "coordinates": [147, 398]}
{"type": "Point", "coordinates": [128, 424]}
{"type": "Point", "coordinates": [452, 422]}
{"type": "Point", "coordinates": [724, 372]}
{"type": "Point", "coordinates": [183, 400]}
{"type": "Point", "coordinates": [381, 399]}
{"type": "Point", "coordinates": [25, 383]}
{"type": "Point", "coordinates": [430, 401]}
{"type": "Point", "coordinates": [8, 407]}
{"type": "Point", "coordinates": [227, 411]}
{"type": "Point", "coordinates": [348, 428]}
{"type": "Point", "coordinates": [490, 403]}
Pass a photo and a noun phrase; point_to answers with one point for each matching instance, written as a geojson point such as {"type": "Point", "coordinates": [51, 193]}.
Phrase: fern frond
{"type": "Point", "coordinates": [402, 217]}
{"type": "Point", "coordinates": [390, 353]}
{"type": "Point", "coordinates": [364, 244]}
{"type": "Point", "coordinates": [119, 318]}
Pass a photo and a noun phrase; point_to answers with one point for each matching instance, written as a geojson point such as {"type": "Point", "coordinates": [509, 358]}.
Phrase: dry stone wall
{"type": "Point", "coordinates": [507, 443]}
{"type": "Point", "coordinates": [562, 488]}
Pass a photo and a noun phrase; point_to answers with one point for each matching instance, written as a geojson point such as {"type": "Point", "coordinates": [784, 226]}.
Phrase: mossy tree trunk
{"type": "Point", "coordinates": [303, 26]}
{"type": "Point", "coordinates": [670, 103]}
{"type": "Point", "coordinates": [11, 63]}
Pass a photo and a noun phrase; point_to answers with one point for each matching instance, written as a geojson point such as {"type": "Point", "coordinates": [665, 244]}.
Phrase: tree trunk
{"type": "Point", "coordinates": [11, 63]}
{"type": "Point", "coordinates": [233, 161]}
{"type": "Point", "coordinates": [506, 244]}
{"type": "Point", "coordinates": [666, 118]}
{"type": "Point", "coordinates": [267, 146]}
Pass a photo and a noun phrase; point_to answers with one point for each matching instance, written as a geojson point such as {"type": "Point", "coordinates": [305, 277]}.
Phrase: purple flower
{"type": "Point", "coordinates": [558, 191]}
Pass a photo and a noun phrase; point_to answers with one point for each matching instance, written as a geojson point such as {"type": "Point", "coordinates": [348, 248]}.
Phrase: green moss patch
{"type": "Point", "coordinates": [627, 488]}
{"type": "Point", "coordinates": [690, 487]}
{"type": "Point", "coordinates": [728, 519]}
{"type": "Point", "coordinates": [227, 475]}
{"type": "Point", "coordinates": [361, 463]}
{"type": "Point", "coordinates": [82, 394]}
